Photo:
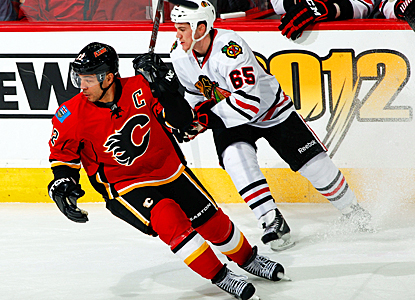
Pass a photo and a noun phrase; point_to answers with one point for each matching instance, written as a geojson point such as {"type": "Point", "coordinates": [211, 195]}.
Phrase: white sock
{"type": "Point", "coordinates": [329, 181]}
{"type": "Point", "coordinates": [241, 163]}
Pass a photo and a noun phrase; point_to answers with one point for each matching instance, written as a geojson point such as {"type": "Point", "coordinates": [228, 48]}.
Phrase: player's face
{"type": "Point", "coordinates": [184, 35]}
{"type": "Point", "coordinates": [90, 87]}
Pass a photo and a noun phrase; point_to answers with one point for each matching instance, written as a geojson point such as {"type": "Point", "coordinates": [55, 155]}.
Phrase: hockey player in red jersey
{"type": "Point", "coordinates": [115, 128]}
{"type": "Point", "coordinates": [232, 94]}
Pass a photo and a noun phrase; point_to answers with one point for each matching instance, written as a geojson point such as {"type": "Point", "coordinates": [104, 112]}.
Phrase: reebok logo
{"type": "Point", "coordinates": [313, 7]}
{"type": "Point", "coordinates": [307, 146]}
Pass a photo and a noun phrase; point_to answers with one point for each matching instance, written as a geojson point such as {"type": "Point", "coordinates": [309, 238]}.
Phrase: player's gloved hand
{"type": "Point", "coordinates": [194, 129]}
{"type": "Point", "coordinates": [65, 192]}
{"type": "Point", "coordinates": [301, 15]}
{"type": "Point", "coordinates": [162, 79]}
{"type": "Point", "coordinates": [405, 10]}
{"type": "Point", "coordinates": [400, 7]}
{"type": "Point", "coordinates": [190, 133]}
{"type": "Point", "coordinates": [204, 113]}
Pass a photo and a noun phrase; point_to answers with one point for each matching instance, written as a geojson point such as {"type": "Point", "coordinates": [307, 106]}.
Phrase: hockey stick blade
{"type": "Point", "coordinates": [185, 3]}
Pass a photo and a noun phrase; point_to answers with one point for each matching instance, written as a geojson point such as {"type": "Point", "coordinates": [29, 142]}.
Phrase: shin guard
{"type": "Point", "coordinates": [240, 161]}
{"type": "Point", "coordinates": [174, 228]}
{"type": "Point", "coordinates": [329, 181]}
{"type": "Point", "coordinates": [224, 235]}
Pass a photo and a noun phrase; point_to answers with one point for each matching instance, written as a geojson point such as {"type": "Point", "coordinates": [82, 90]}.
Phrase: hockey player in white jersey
{"type": "Point", "coordinates": [233, 95]}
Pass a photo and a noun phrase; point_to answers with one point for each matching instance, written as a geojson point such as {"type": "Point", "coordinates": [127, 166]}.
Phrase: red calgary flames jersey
{"type": "Point", "coordinates": [123, 152]}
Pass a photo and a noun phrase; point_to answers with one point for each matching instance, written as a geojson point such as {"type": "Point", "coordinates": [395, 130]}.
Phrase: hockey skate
{"type": "Point", "coordinates": [236, 285]}
{"type": "Point", "coordinates": [261, 266]}
{"type": "Point", "coordinates": [276, 231]}
{"type": "Point", "coordinates": [357, 218]}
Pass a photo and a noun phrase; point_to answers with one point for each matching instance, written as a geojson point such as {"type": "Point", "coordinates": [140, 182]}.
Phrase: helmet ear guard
{"type": "Point", "coordinates": [205, 12]}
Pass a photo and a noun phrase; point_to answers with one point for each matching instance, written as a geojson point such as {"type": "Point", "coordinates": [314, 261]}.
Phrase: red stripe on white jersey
{"type": "Point", "coordinates": [244, 105]}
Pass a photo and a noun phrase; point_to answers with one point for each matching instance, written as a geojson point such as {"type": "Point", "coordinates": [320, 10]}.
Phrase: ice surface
{"type": "Point", "coordinates": [45, 256]}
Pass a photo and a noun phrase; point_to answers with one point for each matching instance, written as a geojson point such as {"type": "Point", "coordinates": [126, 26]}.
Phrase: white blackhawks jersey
{"type": "Point", "coordinates": [231, 74]}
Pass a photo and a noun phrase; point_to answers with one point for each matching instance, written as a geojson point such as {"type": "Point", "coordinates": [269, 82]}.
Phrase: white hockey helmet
{"type": "Point", "coordinates": [205, 12]}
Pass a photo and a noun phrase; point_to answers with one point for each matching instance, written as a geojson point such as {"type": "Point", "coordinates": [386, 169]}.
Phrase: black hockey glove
{"type": "Point", "coordinates": [163, 81]}
{"type": "Point", "coordinates": [189, 133]}
{"type": "Point", "coordinates": [405, 10]}
{"type": "Point", "coordinates": [301, 15]}
{"type": "Point", "coordinates": [65, 192]}
{"type": "Point", "coordinates": [400, 8]}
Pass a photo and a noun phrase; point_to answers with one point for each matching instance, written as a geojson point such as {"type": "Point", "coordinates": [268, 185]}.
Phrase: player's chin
{"type": "Point", "coordinates": [185, 46]}
{"type": "Point", "coordinates": [90, 98]}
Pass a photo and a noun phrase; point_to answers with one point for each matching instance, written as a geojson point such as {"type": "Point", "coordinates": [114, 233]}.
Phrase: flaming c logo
{"type": "Point", "coordinates": [124, 150]}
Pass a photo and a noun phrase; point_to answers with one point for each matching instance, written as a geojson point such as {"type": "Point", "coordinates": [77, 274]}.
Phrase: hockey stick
{"type": "Point", "coordinates": [156, 25]}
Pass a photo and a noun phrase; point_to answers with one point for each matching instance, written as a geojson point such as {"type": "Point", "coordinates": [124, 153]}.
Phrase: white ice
{"type": "Point", "coordinates": [44, 256]}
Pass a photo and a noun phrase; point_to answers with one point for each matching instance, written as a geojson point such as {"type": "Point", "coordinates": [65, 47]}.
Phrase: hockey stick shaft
{"type": "Point", "coordinates": [156, 25]}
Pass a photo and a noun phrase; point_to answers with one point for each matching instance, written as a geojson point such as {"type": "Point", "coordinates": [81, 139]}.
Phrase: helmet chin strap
{"type": "Point", "coordinates": [194, 41]}
{"type": "Point", "coordinates": [115, 109]}
{"type": "Point", "coordinates": [104, 90]}
{"type": "Point", "coordinates": [191, 46]}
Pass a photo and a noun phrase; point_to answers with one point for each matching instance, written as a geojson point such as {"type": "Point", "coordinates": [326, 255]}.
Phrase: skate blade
{"type": "Point", "coordinates": [282, 276]}
{"type": "Point", "coordinates": [357, 228]}
{"type": "Point", "coordinates": [278, 246]}
{"type": "Point", "coordinates": [365, 229]}
{"type": "Point", "coordinates": [254, 297]}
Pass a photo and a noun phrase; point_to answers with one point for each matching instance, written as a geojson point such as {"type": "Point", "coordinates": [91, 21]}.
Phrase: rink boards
{"type": "Point", "coordinates": [353, 85]}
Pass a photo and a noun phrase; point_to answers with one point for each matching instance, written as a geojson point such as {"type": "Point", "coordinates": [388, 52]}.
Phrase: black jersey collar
{"type": "Point", "coordinates": [113, 106]}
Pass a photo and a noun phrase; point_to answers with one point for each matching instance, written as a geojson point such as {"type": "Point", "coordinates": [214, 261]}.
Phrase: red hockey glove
{"type": "Point", "coordinates": [303, 14]}
{"type": "Point", "coordinates": [204, 113]}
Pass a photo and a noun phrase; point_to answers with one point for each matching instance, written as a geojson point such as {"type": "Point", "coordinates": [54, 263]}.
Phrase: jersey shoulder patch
{"type": "Point", "coordinates": [232, 50]}
{"type": "Point", "coordinates": [62, 113]}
